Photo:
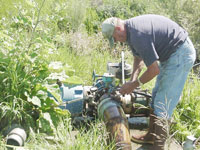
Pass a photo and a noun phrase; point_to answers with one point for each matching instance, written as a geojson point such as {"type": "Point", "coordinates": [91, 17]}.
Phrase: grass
{"type": "Point", "coordinates": [68, 138]}
{"type": "Point", "coordinates": [85, 59]}
{"type": "Point", "coordinates": [189, 106]}
{"type": "Point", "coordinates": [71, 44]}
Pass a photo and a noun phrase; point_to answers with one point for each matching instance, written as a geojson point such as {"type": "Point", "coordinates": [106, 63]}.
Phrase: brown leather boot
{"type": "Point", "coordinates": [147, 138]}
{"type": "Point", "coordinates": [160, 135]}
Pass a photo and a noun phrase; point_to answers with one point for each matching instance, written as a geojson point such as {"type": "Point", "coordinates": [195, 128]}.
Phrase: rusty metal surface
{"type": "Point", "coordinates": [117, 126]}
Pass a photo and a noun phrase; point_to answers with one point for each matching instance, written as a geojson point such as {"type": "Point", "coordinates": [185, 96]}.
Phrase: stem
{"type": "Point", "coordinates": [37, 22]}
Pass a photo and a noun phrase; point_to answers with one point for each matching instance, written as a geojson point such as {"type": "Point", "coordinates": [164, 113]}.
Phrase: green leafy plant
{"type": "Point", "coordinates": [186, 123]}
{"type": "Point", "coordinates": [33, 33]}
{"type": "Point", "coordinates": [24, 71]}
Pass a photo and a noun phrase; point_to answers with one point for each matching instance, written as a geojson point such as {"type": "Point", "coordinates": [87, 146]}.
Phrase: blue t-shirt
{"type": "Point", "coordinates": [153, 37]}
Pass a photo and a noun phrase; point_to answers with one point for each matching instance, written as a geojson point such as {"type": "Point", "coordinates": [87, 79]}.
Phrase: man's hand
{"type": "Point", "coordinates": [128, 87]}
{"type": "Point", "coordinates": [149, 74]}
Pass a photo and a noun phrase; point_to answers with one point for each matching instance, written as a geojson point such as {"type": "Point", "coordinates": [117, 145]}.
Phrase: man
{"type": "Point", "coordinates": [167, 52]}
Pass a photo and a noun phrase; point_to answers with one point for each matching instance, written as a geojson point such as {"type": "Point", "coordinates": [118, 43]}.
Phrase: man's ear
{"type": "Point", "coordinates": [118, 28]}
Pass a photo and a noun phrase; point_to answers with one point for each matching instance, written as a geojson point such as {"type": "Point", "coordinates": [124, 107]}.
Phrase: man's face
{"type": "Point", "coordinates": [119, 35]}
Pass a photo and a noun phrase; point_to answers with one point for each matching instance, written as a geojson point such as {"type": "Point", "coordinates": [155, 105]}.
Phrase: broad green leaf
{"type": "Point", "coordinates": [47, 117]}
{"type": "Point", "coordinates": [62, 112]}
{"type": "Point", "coordinates": [45, 123]}
{"type": "Point", "coordinates": [35, 100]}
{"type": "Point", "coordinates": [55, 95]}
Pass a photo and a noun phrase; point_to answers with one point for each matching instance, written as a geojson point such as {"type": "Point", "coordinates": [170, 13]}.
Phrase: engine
{"type": "Point", "coordinates": [102, 100]}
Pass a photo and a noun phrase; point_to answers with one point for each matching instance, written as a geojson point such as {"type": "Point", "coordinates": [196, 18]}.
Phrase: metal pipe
{"type": "Point", "coordinates": [73, 101]}
{"type": "Point", "coordinates": [116, 123]}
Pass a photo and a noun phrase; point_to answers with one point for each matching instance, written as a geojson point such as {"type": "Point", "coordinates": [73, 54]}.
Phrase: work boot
{"type": "Point", "coordinates": [147, 138]}
{"type": "Point", "coordinates": [160, 134]}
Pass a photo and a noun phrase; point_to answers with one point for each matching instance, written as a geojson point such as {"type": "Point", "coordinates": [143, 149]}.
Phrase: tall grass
{"type": "Point", "coordinates": [84, 54]}
{"type": "Point", "coordinates": [187, 114]}
{"type": "Point", "coordinates": [67, 138]}
{"type": "Point", "coordinates": [69, 31]}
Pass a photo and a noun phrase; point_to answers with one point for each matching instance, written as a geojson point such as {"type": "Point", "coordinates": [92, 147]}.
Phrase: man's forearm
{"type": "Point", "coordinates": [137, 67]}
{"type": "Point", "coordinates": [152, 71]}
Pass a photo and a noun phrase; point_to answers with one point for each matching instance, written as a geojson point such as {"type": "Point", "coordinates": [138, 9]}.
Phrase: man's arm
{"type": "Point", "coordinates": [137, 67]}
{"type": "Point", "coordinates": [152, 71]}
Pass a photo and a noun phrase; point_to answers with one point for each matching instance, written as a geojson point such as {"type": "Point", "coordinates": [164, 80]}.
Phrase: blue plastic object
{"type": "Point", "coordinates": [72, 97]}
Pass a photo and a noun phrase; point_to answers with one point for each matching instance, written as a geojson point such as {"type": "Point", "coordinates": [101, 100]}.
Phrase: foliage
{"type": "Point", "coordinates": [181, 12]}
{"type": "Point", "coordinates": [95, 137]}
{"type": "Point", "coordinates": [123, 9]}
{"type": "Point", "coordinates": [35, 33]}
{"type": "Point", "coordinates": [69, 15]}
{"type": "Point", "coordinates": [187, 115]}
{"type": "Point", "coordinates": [24, 94]}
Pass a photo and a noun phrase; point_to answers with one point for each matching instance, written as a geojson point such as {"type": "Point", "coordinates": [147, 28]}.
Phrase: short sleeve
{"type": "Point", "coordinates": [145, 48]}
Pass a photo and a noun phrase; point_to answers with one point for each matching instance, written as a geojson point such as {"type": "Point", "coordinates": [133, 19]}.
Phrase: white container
{"type": "Point", "coordinates": [16, 137]}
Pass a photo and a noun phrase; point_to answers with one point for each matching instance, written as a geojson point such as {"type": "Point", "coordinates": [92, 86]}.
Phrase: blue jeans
{"type": "Point", "coordinates": [170, 82]}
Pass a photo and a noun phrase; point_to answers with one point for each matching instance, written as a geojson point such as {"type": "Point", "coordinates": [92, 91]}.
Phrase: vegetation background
{"type": "Point", "coordinates": [42, 40]}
